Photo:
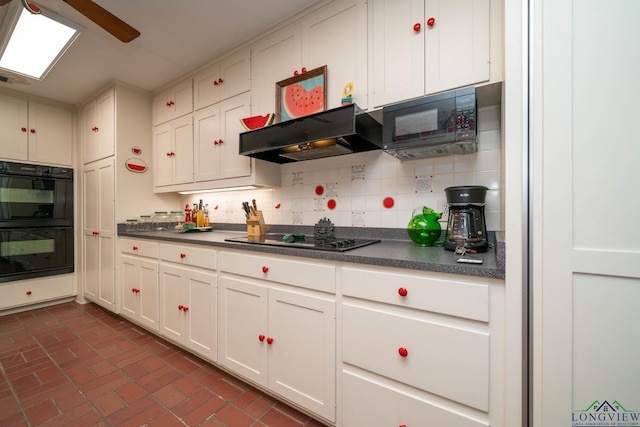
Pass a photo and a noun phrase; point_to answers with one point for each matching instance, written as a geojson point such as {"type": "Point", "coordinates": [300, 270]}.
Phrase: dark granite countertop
{"type": "Point", "coordinates": [394, 250]}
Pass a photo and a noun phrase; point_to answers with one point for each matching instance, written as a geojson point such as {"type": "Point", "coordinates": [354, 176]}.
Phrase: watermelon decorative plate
{"type": "Point", "coordinates": [257, 122]}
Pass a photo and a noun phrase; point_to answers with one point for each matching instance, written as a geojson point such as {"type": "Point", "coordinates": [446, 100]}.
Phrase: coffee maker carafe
{"type": "Point", "coordinates": [466, 226]}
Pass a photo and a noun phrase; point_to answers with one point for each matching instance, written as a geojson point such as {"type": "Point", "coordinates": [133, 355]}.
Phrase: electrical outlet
{"type": "Point", "coordinates": [443, 207]}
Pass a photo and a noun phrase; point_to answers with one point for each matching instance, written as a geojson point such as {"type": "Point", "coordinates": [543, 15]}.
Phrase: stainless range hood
{"type": "Point", "coordinates": [334, 132]}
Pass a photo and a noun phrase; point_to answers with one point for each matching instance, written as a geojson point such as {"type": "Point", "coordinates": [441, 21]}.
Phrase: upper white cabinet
{"type": "Point", "coordinates": [173, 152]}
{"type": "Point", "coordinates": [221, 80]}
{"type": "Point", "coordinates": [32, 131]}
{"type": "Point", "coordinates": [216, 130]}
{"type": "Point", "coordinates": [173, 102]}
{"type": "Point", "coordinates": [427, 46]}
{"type": "Point", "coordinates": [98, 127]}
{"type": "Point", "coordinates": [335, 36]}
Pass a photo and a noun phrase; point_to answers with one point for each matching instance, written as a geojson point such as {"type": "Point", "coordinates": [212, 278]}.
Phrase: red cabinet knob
{"type": "Point", "coordinates": [170, 103]}
{"type": "Point", "coordinates": [265, 269]}
{"type": "Point", "coordinates": [32, 131]}
{"type": "Point", "coordinates": [220, 80]}
{"type": "Point", "coordinates": [185, 309]}
{"type": "Point", "coordinates": [402, 425]}
{"type": "Point", "coordinates": [403, 352]}
{"type": "Point", "coordinates": [304, 69]}
{"type": "Point", "coordinates": [183, 256]}
{"type": "Point", "coordinates": [417, 27]}
{"type": "Point", "coordinates": [220, 141]}
{"type": "Point", "coordinates": [133, 290]}
{"type": "Point", "coordinates": [269, 340]}
{"type": "Point", "coordinates": [261, 338]}
{"type": "Point", "coordinates": [402, 292]}
{"type": "Point", "coordinates": [95, 233]}
{"type": "Point", "coordinates": [169, 154]}
{"type": "Point", "coordinates": [23, 129]}
{"type": "Point", "coordinates": [180, 307]}
{"type": "Point", "coordinates": [28, 292]}
{"type": "Point", "coordinates": [135, 248]}
{"type": "Point", "coordinates": [215, 83]}
{"type": "Point", "coordinates": [216, 142]}
{"type": "Point", "coordinates": [431, 21]}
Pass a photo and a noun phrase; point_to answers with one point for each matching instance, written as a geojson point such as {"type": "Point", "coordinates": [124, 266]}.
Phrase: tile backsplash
{"type": "Point", "coordinates": [372, 189]}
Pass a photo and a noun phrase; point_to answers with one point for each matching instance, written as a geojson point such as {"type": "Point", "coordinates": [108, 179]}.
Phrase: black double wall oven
{"type": "Point", "coordinates": [36, 221]}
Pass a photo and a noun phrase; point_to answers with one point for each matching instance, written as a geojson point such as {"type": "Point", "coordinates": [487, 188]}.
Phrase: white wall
{"type": "Point", "coordinates": [359, 183]}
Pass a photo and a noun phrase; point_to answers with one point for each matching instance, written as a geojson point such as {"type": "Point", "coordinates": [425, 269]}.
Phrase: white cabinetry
{"type": "Point", "coordinates": [35, 132]}
{"type": "Point", "coordinates": [221, 80]}
{"type": "Point", "coordinates": [98, 233]}
{"type": "Point", "coordinates": [216, 140]}
{"type": "Point", "coordinates": [139, 281]}
{"type": "Point", "coordinates": [98, 127]}
{"type": "Point", "coordinates": [315, 40]}
{"type": "Point", "coordinates": [428, 46]}
{"type": "Point", "coordinates": [23, 293]}
{"type": "Point", "coordinates": [173, 152]}
{"type": "Point", "coordinates": [173, 102]}
{"type": "Point", "coordinates": [280, 337]}
{"type": "Point", "coordinates": [430, 345]}
{"type": "Point", "coordinates": [188, 298]}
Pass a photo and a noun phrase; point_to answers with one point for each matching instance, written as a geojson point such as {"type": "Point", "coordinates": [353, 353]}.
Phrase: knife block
{"type": "Point", "coordinates": [256, 227]}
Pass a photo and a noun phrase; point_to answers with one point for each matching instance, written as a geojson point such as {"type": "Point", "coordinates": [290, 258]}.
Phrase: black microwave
{"type": "Point", "coordinates": [436, 125]}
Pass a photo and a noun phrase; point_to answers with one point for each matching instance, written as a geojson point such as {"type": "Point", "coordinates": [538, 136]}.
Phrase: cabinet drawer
{"type": "Point", "coordinates": [422, 292]}
{"type": "Point", "coordinates": [25, 292]}
{"type": "Point", "coordinates": [189, 255]}
{"type": "Point", "coordinates": [448, 361]}
{"type": "Point", "coordinates": [305, 274]}
{"type": "Point", "coordinates": [363, 397]}
{"type": "Point", "coordinates": [140, 247]}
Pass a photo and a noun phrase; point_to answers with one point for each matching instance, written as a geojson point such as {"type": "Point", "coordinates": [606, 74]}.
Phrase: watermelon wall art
{"type": "Point", "coordinates": [301, 95]}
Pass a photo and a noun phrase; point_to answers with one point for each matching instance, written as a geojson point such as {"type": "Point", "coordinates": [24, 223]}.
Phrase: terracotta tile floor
{"type": "Point", "coordinates": [79, 365]}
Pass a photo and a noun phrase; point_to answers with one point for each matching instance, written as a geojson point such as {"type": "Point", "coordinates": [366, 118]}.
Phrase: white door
{"type": "Point", "coordinates": [148, 294]}
{"type": "Point", "coordinates": [457, 44]}
{"type": "Point", "coordinates": [173, 300]}
{"type": "Point", "coordinates": [207, 135]}
{"type": "Point", "coordinates": [106, 124]}
{"type": "Point", "coordinates": [163, 160]}
{"type": "Point", "coordinates": [201, 327]}
{"type": "Point", "coordinates": [302, 356]}
{"type": "Point", "coordinates": [586, 245]}
{"type": "Point", "coordinates": [13, 128]}
{"type": "Point", "coordinates": [129, 283]}
{"type": "Point", "coordinates": [182, 130]}
{"type": "Point", "coordinates": [398, 50]}
{"type": "Point", "coordinates": [232, 164]}
{"type": "Point", "coordinates": [243, 328]}
{"type": "Point", "coordinates": [90, 246]}
{"type": "Point", "coordinates": [50, 134]}
{"type": "Point", "coordinates": [106, 233]}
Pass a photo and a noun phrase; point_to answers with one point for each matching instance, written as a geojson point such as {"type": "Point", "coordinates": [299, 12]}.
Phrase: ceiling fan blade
{"type": "Point", "coordinates": [109, 22]}
{"type": "Point", "coordinates": [3, 2]}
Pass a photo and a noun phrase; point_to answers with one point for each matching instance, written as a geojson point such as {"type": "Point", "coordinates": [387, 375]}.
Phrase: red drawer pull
{"type": "Point", "coordinates": [135, 248]}
{"type": "Point", "coordinates": [28, 292]}
{"type": "Point", "coordinates": [403, 352]}
{"type": "Point", "coordinates": [269, 340]}
{"type": "Point", "coordinates": [182, 256]}
{"type": "Point", "coordinates": [261, 338]}
{"type": "Point", "coordinates": [431, 21]}
{"type": "Point", "coordinates": [417, 27]}
{"type": "Point", "coordinates": [265, 269]}
{"type": "Point", "coordinates": [180, 307]}
{"type": "Point", "coordinates": [185, 309]}
{"type": "Point", "coordinates": [402, 292]}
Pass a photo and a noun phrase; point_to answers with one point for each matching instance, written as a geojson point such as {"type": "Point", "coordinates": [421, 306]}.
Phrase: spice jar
{"type": "Point", "coordinates": [144, 223]}
{"type": "Point", "coordinates": [175, 218]}
{"type": "Point", "coordinates": [132, 225]}
{"type": "Point", "coordinates": [160, 221]}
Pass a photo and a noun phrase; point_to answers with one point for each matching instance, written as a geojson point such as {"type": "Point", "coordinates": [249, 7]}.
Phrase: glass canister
{"type": "Point", "coordinates": [160, 221]}
{"type": "Point", "coordinates": [175, 218]}
{"type": "Point", "coordinates": [144, 223]}
{"type": "Point", "coordinates": [132, 225]}
{"type": "Point", "coordinates": [424, 228]}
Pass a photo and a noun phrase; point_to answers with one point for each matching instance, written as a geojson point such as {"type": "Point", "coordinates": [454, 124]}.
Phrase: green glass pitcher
{"type": "Point", "coordinates": [424, 228]}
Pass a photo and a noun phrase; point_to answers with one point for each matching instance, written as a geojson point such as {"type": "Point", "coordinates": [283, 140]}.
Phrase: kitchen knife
{"type": "Point", "coordinates": [245, 206]}
{"type": "Point", "coordinates": [255, 207]}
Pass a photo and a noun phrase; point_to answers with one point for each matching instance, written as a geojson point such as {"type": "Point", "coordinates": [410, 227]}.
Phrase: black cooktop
{"type": "Point", "coordinates": [337, 245]}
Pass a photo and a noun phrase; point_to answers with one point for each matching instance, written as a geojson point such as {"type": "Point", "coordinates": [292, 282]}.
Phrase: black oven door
{"type": "Point", "coordinates": [35, 196]}
{"type": "Point", "coordinates": [35, 252]}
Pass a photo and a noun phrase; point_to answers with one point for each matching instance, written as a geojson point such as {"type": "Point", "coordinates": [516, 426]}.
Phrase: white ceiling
{"type": "Point", "coordinates": [177, 36]}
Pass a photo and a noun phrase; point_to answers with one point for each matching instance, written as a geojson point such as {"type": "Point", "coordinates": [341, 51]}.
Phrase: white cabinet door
{"type": "Point", "coordinates": [243, 328]}
{"type": "Point", "coordinates": [173, 102]}
{"type": "Point", "coordinates": [217, 130]}
{"type": "Point", "coordinates": [222, 80]}
{"type": "Point", "coordinates": [173, 152]}
{"type": "Point", "coordinates": [398, 50]}
{"type": "Point", "coordinates": [99, 232]}
{"type": "Point", "coordinates": [98, 124]}
{"type": "Point", "coordinates": [457, 45]}
{"type": "Point", "coordinates": [336, 36]}
{"type": "Point", "coordinates": [302, 355]}
{"type": "Point", "coordinates": [50, 134]}
{"type": "Point", "coordinates": [274, 58]}
{"type": "Point", "coordinates": [139, 290]}
{"type": "Point", "coordinates": [188, 300]}
{"type": "Point", "coordinates": [13, 128]}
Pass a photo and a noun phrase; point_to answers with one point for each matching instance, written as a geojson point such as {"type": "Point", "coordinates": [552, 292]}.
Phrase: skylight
{"type": "Point", "coordinates": [32, 43]}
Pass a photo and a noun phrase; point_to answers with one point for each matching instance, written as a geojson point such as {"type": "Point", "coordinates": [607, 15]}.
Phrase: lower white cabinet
{"type": "Point", "coordinates": [23, 293]}
{"type": "Point", "coordinates": [280, 337]}
{"type": "Point", "coordinates": [431, 346]}
{"type": "Point", "coordinates": [138, 283]}
{"type": "Point", "coordinates": [188, 299]}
